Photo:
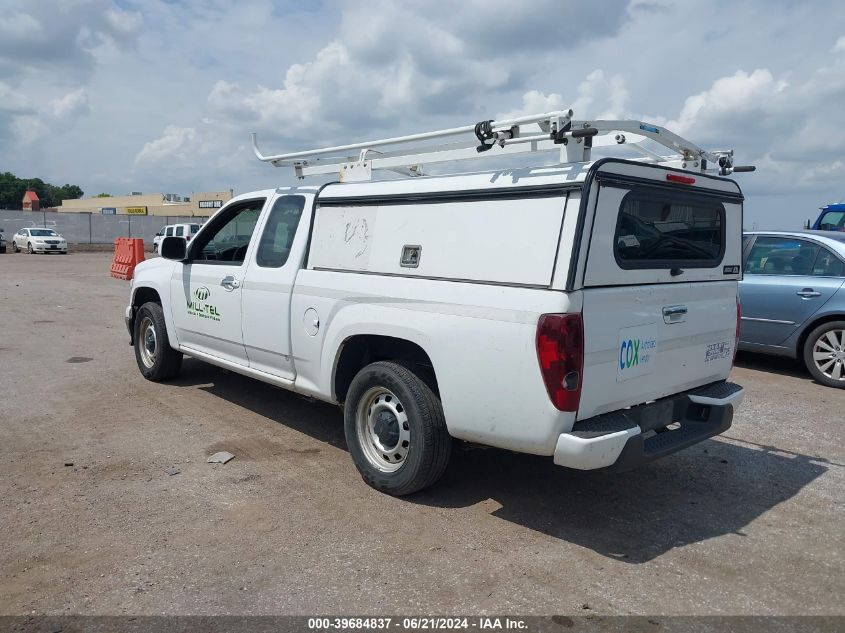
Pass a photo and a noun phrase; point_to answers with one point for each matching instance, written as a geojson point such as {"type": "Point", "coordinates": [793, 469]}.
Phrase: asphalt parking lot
{"type": "Point", "coordinates": [747, 523]}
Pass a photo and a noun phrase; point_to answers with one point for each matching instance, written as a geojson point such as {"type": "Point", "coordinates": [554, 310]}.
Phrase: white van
{"type": "Point", "coordinates": [185, 231]}
{"type": "Point", "coordinates": [586, 311]}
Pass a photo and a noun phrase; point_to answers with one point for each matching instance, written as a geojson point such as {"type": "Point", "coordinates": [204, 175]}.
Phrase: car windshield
{"type": "Point", "coordinates": [42, 232]}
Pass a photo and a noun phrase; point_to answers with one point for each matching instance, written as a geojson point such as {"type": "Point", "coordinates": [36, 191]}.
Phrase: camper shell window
{"type": "Point", "coordinates": [660, 229]}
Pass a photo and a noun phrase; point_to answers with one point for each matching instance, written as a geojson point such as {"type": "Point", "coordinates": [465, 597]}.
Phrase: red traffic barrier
{"type": "Point", "coordinates": [128, 253]}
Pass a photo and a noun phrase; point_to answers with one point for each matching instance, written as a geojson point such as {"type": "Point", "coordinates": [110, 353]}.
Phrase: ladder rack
{"type": "Point", "coordinates": [572, 140]}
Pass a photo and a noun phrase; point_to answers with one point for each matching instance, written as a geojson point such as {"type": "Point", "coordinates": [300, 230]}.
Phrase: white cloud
{"type": "Point", "coordinates": [35, 122]}
{"type": "Point", "coordinates": [124, 22]}
{"type": "Point", "coordinates": [737, 94]}
{"type": "Point", "coordinates": [840, 45]}
{"type": "Point", "coordinates": [601, 97]}
{"type": "Point", "coordinates": [12, 101]}
{"type": "Point", "coordinates": [181, 144]}
{"type": "Point", "coordinates": [19, 25]}
{"type": "Point", "coordinates": [70, 105]}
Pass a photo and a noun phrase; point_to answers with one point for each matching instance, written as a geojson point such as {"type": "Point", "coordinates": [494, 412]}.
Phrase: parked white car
{"type": "Point", "coordinates": [586, 311]}
{"type": "Point", "coordinates": [185, 231]}
{"type": "Point", "coordinates": [39, 240]}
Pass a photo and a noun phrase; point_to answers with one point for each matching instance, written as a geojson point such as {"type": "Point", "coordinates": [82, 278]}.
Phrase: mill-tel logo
{"type": "Point", "coordinates": [198, 306]}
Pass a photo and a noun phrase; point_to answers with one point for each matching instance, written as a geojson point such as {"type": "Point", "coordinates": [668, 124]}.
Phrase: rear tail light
{"type": "Point", "coordinates": [560, 351]}
{"type": "Point", "coordinates": [738, 323]}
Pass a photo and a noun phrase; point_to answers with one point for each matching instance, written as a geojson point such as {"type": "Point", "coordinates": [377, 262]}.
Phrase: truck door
{"type": "Point", "coordinates": [268, 283]}
{"type": "Point", "coordinates": [660, 260]}
{"type": "Point", "coordinates": [205, 291]}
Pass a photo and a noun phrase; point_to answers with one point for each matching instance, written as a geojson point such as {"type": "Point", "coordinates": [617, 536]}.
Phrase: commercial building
{"type": "Point", "coordinates": [200, 204]}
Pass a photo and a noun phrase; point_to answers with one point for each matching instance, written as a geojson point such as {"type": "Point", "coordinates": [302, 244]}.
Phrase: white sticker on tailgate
{"type": "Point", "coordinates": [637, 351]}
{"type": "Point", "coordinates": [718, 351]}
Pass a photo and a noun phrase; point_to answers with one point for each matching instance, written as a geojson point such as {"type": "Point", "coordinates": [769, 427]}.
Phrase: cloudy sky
{"type": "Point", "coordinates": [160, 95]}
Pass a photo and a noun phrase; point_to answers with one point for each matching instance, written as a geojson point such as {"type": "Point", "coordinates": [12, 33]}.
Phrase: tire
{"type": "Point", "coordinates": [29, 248]}
{"type": "Point", "coordinates": [15, 248]}
{"type": "Point", "coordinates": [395, 429]}
{"type": "Point", "coordinates": [824, 354]}
{"type": "Point", "coordinates": [156, 359]}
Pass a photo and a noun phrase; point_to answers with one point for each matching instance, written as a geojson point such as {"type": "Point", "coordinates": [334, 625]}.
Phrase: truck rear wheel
{"type": "Point", "coordinates": [395, 429]}
{"type": "Point", "coordinates": [156, 359]}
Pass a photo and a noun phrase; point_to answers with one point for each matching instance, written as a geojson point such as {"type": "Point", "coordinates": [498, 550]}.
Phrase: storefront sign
{"type": "Point", "coordinates": [136, 210]}
{"type": "Point", "coordinates": [108, 210]}
{"type": "Point", "coordinates": [210, 204]}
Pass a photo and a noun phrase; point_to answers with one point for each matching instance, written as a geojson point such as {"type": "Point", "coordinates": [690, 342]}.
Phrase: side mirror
{"type": "Point", "coordinates": [174, 248]}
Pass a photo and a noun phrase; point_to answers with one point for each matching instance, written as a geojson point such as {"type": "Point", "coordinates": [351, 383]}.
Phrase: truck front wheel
{"type": "Point", "coordinates": [156, 359]}
{"type": "Point", "coordinates": [395, 429]}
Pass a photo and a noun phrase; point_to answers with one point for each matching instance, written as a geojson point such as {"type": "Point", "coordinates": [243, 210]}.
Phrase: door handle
{"type": "Point", "coordinates": [808, 293]}
{"type": "Point", "coordinates": [230, 283]}
{"type": "Point", "coordinates": [674, 314]}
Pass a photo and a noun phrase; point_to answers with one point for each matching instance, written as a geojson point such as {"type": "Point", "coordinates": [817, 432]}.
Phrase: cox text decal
{"type": "Point", "coordinates": [636, 351]}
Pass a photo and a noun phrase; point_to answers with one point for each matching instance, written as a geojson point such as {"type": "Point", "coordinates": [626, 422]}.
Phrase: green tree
{"type": "Point", "coordinates": [13, 188]}
{"type": "Point", "coordinates": [103, 195]}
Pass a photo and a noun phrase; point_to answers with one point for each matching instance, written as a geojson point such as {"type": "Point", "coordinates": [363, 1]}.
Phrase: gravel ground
{"type": "Point", "coordinates": [92, 523]}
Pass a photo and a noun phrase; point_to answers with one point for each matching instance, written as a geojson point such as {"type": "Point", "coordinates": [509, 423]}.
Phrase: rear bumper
{"type": "Point", "coordinates": [623, 440]}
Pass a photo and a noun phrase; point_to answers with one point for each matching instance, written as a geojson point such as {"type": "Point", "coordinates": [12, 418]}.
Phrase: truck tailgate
{"type": "Point", "coordinates": [647, 342]}
{"type": "Point", "coordinates": [660, 278]}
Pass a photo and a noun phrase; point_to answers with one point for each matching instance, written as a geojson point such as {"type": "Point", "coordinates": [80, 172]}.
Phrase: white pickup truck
{"type": "Point", "coordinates": [586, 310]}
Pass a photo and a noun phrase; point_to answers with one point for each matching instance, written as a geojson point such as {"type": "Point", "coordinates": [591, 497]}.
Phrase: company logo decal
{"type": "Point", "coordinates": [636, 352]}
{"type": "Point", "coordinates": [198, 306]}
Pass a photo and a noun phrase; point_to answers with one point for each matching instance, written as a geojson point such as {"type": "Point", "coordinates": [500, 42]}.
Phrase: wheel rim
{"type": "Point", "coordinates": [384, 433]}
{"type": "Point", "coordinates": [29, 247]}
{"type": "Point", "coordinates": [829, 354]}
{"type": "Point", "coordinates": [148, 342]}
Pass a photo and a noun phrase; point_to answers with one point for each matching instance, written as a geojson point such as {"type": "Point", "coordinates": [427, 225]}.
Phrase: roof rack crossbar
{"type": "Point", "coordinates": [573, 140]}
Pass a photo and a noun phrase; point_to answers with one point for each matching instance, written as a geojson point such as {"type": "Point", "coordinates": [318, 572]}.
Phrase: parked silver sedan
{"type": "Point", "coordinates": [793, 300]}
{"type": "Point", "coordinates": [37, 240]}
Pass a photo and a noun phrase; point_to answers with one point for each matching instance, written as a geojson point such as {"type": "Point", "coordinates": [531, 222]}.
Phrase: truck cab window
{"type": "Point", "coordinates": [228, 239]}
{"type": "Point", "coordinates": [278, 234]}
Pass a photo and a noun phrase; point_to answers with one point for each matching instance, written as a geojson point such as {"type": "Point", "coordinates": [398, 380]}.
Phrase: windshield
{"type": "Point", "coordinates": [832, 221]}
{"type": "Point", "coordinates": [43, 233]}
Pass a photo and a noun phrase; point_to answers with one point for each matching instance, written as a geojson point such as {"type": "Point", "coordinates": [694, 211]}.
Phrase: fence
{"type": "Point", "coordinates": [91, 228]}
